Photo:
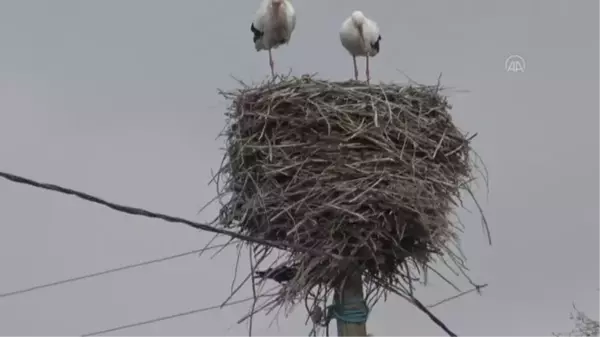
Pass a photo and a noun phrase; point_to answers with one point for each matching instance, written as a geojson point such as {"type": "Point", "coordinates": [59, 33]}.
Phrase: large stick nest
{"type": "Point", "coordinates": [365, 177]}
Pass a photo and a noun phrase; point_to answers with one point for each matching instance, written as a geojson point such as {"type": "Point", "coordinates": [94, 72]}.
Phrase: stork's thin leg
{"type": "Point", "coordinates": [368, 73]}
{"type": "Point", "coordinates": [271, 63]}
{"type": "Point", "coordinates": [355, 68]}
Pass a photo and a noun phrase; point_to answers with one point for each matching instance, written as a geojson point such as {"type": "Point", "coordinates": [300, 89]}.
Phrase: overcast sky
{"type": "Point", "coordinates": [118, 98]}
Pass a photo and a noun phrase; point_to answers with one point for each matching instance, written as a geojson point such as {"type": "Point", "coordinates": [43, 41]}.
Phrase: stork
{"type": "Point", "coordinates": [360, 36]}
{"type": "Point", "coordinates": [273, 26]}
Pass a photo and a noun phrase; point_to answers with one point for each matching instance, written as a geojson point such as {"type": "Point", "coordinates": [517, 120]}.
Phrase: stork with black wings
{"type": "Point", "coordinates": [272, 27]}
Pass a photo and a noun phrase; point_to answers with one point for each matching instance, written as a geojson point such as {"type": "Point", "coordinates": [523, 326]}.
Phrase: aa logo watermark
{"type": "Point", "coordinates": [514, 64]}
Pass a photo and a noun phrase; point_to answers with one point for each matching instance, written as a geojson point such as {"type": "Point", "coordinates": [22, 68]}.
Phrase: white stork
{"type": "Point", "coordinates": [273, 26]}
{"type": "Point", "coordinates": [360, 36]}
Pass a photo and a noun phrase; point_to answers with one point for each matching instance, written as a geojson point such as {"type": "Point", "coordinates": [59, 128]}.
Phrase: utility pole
{"type": "Point", "coordinates": [349, 302]}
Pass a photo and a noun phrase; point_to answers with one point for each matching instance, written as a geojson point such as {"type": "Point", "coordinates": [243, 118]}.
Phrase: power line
{"type": "Point", "coordinates": [165, 318]}
{"type": "Point", "coordinates": [154, 215]}
{"type": "Point", "coordinates": [477, 288]}
{"type": "Point", "coordinates": [204, 227]}
{"type": "Point", "coordinates": [108, 271]}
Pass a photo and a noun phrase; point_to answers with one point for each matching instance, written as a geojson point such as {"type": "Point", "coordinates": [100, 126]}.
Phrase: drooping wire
{"type": "Point", "coordinates": [155, 215]}
{"type": "Point", "coordinates": [169, 317]}
{"type": "Point", "coordinates": [208, 228]}
{"type": "Point", "coordinates": [109, 271]}
{"type": "Point", "coordinates": [477, 288]}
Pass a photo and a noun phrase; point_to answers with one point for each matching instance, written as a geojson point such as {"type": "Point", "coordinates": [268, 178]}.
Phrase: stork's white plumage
{"type": "Point", "coordinates": [273, 26]}
{"type": "Point", "coordinates": [360, 36]}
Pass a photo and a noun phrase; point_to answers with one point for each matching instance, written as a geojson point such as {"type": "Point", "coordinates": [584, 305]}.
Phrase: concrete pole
{"type": "Point", "coordinates": [351, 297]}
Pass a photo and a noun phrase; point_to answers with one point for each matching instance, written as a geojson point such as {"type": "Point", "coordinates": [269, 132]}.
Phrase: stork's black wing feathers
{"type": "Point", "coordinates": [257, 33]}
{"type": "Point", "coordinates": [375, 45]}
{"type": "Point", "coordinates": [278, 274]}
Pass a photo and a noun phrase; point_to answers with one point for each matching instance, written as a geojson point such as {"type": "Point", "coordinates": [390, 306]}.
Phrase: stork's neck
{"type": "Point", "coordinates": [277, 12]}
{"type": "Point", "coordinates": [278, 9]}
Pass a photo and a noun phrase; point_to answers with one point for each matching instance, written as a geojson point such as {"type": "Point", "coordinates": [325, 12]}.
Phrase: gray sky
{"type": "Point", "coordinates": [118, 98]}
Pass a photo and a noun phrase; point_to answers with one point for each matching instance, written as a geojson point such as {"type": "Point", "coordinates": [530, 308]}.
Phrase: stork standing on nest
{"type": "Point", "coordinates": [360, 36]}
{"type": "Point", "coordinates": [273, 26]}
